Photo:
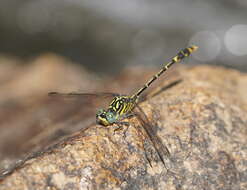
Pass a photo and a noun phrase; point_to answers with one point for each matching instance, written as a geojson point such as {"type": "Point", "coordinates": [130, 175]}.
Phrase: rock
{"type": "Point", "coordinates": [201, 119]}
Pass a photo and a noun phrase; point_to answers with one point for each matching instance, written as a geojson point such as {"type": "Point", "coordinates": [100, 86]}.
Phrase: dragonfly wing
{"type": "Point", "coordinates": [84, 95]}
{"type": "Point", "coordinates": [160, 148]}
{"type": "Point", "coordinates": [92, 101]}
{"type": "Point", "coordinates": [66, 114]}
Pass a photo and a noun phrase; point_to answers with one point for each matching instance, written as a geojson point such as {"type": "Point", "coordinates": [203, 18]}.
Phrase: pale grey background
{"type": "Point", "coordinates": [114, 33]}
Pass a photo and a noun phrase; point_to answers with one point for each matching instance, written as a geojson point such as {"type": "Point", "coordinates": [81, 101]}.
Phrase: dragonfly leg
{"type": "Point", "coordinates": [120, 127]}
{"type": "Point", "coordinates": [121, 123]}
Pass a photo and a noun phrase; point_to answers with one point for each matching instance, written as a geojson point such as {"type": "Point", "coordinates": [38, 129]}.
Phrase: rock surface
{"type": "Point", "coordinates": [201, 120]}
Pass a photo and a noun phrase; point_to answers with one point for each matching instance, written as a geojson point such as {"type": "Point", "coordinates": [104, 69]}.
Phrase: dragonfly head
{"type": "Point", "coordinates": [106, 117]}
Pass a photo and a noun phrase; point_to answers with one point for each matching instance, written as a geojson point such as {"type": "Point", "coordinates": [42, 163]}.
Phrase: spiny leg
{"type": "Point", "coordinates": [120, 123]}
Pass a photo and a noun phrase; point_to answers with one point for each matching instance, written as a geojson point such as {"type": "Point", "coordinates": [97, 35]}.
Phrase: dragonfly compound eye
{"type": "Point", "coordinates": [110, 117]}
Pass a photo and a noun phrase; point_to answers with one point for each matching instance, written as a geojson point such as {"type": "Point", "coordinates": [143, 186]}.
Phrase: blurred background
{"type": "Point", "coordinates": [107, 35]}
{"type": "Point", "coordinates": [104, 45]}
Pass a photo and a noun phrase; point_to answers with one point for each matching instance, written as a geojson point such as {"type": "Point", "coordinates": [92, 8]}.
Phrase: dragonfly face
{"type": "Point", "coordinates": [106, 117]}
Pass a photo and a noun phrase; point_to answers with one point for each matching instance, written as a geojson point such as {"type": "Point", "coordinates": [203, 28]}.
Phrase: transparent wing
{"type": "Point", "coordinates": [160, 148]}
{"type": "Point", "coordinates": [67, 113]}
{"type": "Point", "coordinates": [84, 95]}
{"type": "Point", "coordinates": [89, 102]}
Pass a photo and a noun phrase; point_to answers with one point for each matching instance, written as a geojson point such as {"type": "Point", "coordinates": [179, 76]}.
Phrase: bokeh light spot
{"type": "Point", "coordinates": [236, 40]}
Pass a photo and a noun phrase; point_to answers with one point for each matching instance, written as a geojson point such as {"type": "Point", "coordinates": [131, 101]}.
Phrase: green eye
{"type": "Point", "coordinates": [110, 117]}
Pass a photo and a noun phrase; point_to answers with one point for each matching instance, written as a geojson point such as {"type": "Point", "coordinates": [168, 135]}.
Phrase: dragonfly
{"type": "Point", "coordinates": [122, 106]}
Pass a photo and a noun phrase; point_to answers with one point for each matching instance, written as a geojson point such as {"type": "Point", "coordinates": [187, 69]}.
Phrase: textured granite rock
{"type": "Point", "coordinates": [201, 119]}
